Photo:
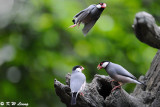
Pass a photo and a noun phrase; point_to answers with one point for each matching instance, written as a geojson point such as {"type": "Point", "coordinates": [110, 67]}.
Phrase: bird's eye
{"type": "Point", "coordinates": [101, 63]}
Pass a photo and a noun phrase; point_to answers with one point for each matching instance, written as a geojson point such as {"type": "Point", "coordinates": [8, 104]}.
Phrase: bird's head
{"type": "Point", "coordinates": [103, 64]}
{"type": "Point", "coordinates": [78, 68]}
{"type": "Point", "coordinates": [101, 5]}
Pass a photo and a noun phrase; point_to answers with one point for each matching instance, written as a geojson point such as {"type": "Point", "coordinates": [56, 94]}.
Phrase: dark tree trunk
{"type": "Point", "coordinates": [98, 92]}
{"type": "Point", "coordinates": [146, 29]}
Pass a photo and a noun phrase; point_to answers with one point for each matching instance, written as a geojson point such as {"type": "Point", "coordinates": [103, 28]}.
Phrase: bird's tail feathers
{"type": "Point", "coordinates": [144, 85]}
{"type": "Point", "coordinates": [73, 100]}
{"type": "Point", "coordinates": [73, 21]}
{"type": "Point", "coordinates": [136, 81]}
{"type": "Point", "coordinates": [141, 83]}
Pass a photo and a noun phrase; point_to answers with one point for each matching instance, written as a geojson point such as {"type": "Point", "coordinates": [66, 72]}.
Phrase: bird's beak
{"type": "Point", "coordinates": [104, 5]}
{"type": "Point", "coordinates": [99, 67]}
{"type": "Point", "coordinates": [82, 68]}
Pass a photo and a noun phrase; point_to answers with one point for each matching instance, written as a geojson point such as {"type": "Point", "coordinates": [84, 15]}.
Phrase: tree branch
{"type": "Point", "coordinates": [98, 94]}
{"type": "Point", "coordinates": [151, 95]}
{"type": "Point", "coordinates": [146, 29]}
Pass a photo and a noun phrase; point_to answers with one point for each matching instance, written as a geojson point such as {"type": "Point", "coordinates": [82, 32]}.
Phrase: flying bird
{"type": "Point", "coordinates": [118, 73]}
{"type": "Point", "coordinates": [88, 17]}
{"type": "Point", "coordinates": [77, 82]}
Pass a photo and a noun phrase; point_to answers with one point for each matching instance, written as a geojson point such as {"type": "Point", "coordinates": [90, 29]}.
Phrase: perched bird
{"type": "Point", "coordinates": [88, 16]}
{"type": "Point", "coordinates": [77, 82]}
{"type": "Point", "coordinates": [118, 73]}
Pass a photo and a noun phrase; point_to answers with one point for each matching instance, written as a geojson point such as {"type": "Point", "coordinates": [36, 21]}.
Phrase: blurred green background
{"type": "Point", "coordinates": [36, 45]}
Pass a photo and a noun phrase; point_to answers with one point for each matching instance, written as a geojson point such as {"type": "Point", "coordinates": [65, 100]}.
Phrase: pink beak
{"type": "Point", "coordinates": [82, 68]}
{"type": "Point", "coordinates": [104, 5]}
{"type": "Point", "coordinates": [99, 67]}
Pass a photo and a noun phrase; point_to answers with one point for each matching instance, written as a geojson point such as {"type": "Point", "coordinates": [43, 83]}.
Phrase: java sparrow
{"type": "Point", "coordinates": [88, 16]}
{"type": "Point", "coordinates": [118, 73]}
{"type": "Point", "coordinates": [77, 82]}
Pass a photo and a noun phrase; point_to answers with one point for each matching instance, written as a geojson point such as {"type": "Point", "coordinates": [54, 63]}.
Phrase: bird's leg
{"type": "Point", "coordinates": [72, 26]}
{"type": "Point", "coordinates": [112, 80]}
{"type": "Point", "coordinates": [81, 94]}
{"type": "Point", "coordinates": [78, 25]}
{"type": "Point", "coordinates": [119, 86]}
{"type": "Point", "coordinates": [120, 83]}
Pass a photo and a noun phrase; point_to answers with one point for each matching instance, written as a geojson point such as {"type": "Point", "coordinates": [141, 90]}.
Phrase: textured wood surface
{"type": "Point", "coordinates": [146, 29]}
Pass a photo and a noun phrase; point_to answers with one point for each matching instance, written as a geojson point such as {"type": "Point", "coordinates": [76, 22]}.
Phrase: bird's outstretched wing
{"type": "Point", "coordinates": [88, 26]}
{"type": "Point", "coordinates": [83, 14]}
{"type": "Point", "coordinates": [85, 11]}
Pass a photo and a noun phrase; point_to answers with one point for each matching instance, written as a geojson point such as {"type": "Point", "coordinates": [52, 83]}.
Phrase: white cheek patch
{"type": "Point", "coordinates": [79, 70]}
{"type": "Point", "coordinates": [104, 64]}
{"type": "Point", "coordinates": [98, 6]}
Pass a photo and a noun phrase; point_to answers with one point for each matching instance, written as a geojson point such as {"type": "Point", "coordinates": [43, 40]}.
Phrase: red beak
{"type": "Point", "coordinates": [104, 5]}
{"type": "Point", "coordinates": [82, 68]}
{"type": "Point", "coordinates": [99, 67]}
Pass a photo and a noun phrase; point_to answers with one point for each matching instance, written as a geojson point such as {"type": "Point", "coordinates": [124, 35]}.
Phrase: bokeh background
{"type": "Point", "coordinates": [36, 45]}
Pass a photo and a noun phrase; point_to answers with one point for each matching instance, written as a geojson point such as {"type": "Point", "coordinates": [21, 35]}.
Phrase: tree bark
{"type": "Point", "coordinates": [146, 29]}
{"type": "Point", "coordinates": [98, 92]}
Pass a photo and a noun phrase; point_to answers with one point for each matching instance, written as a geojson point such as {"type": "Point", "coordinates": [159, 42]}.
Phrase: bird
{"type": "Point", "coordinates": [77, 83]}
{"type": "Point", "coordinates": [88, 17]}
{"type": "Point", "coordinates": [118, 73]}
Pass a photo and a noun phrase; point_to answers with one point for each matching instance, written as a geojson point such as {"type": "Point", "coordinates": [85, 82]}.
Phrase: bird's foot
{"type": "Point", "coordinates": [119, 86]}
{"type": "Point", "coordinates": [111, 80]}
{"type": "Point", "coordinates": [81, 94]}
{"type": "Point", "coordinates": [120, 83]}
{"type": "Point", "coordinates": [72, 26]}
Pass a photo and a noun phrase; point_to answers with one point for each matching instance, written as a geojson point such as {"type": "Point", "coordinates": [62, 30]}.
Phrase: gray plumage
{"type": "Point", "coordinates": [118, 73]}
{"type": "Point", "coordinates": [88, 17]}
{"type": "Point", "coordinates": [77, 83]}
